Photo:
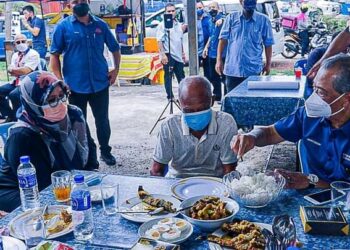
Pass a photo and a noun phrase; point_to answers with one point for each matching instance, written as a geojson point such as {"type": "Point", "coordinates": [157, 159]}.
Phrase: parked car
{"type": "Point", "coordinates": [267, 7]}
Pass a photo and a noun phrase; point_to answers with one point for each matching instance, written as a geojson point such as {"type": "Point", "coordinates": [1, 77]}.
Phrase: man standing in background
{"type": "Point", "coordinates": [245, 33]}
{"type": "Point", "coordinates": [211, 49]}
{"type": "Point", "coordinates": [81, 39]}
{"type": "Point", "coordinates": [36, 26]}
{"type": "Point", "coordinates": [203, 32]}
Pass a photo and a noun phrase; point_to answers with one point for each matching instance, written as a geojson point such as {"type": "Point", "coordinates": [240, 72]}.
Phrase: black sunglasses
{"type": "Point", "coordinates": [22, 41]}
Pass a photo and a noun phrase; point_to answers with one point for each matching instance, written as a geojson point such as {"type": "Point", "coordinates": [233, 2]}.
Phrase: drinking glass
{"type": "Point", "coordinates": [298, 73]}
{"type": "Point", "coordinates": [343, 201]}
{"type": "Point", "coordinates": [109, 195]}
{"type": "Point", "coordinates": [61, 183]}
{"type": "Point", "coordinates": [34, 231]}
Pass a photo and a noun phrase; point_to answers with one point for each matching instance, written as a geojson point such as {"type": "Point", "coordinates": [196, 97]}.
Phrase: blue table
{"type": "Point", "coordinates": [262, 107]}
{"type": "Point", "coordinates": [116, 231]}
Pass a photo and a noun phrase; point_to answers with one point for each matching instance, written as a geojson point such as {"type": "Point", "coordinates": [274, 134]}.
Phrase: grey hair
{"type": "Point", "coordinates": [341, 80]}
{"type": "Point", "coordinates": [184, 84]}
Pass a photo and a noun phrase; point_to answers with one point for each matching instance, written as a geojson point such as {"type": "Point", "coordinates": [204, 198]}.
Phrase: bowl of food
{"type": "Point", "coordinates": [254, 191]}
{"type": "Point", "coordinates": [209, 212]}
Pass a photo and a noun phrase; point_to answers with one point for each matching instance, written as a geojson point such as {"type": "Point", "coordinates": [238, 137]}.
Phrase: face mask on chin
{"type": "Point", "coordinates": [316, 107]}
{"type": "Point", "coordinates": [55, 114]}
{"type": "Point", "coordinates": [249, 6]}
{"type": "Point", "coordinates": [22, 47]}
{"type": "Point", "coordinates": [197, 121]}
{"type": "Point", "coordinates": [81, 9]}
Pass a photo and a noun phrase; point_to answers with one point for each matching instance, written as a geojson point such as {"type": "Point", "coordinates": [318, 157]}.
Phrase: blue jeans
{"type": "Point", "coordinates": [41, 49]}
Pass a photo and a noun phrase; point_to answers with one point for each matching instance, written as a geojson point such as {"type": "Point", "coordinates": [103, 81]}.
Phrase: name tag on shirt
{"type": "Point", "coordinates": [346, 157]}
{"type": "Point", "coordinates": [314, 142]}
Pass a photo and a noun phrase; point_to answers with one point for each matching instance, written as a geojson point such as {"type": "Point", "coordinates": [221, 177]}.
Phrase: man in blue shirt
{"type": "Point", "coordinates": [203, 30]}
{"type": "Point", "coordinates": [80, 38]}
{"type": "Point", "coordinates": [245, 33]}
{"type": "Point", "coordinates": [36, 26]}
{"type": "Point", "coordinates": [322, 126]}
{"type": "Point", "coordinates": [211, 48]}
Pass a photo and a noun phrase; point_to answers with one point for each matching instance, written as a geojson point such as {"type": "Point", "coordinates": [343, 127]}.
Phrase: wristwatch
{"type": "Point", "coordinates": [313, 179]}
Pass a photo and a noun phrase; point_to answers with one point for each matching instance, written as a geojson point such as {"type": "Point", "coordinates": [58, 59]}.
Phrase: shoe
{"type": "Point", "coordinates": [108, 158]}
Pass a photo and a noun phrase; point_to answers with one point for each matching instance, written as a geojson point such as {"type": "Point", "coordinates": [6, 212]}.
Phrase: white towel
{"type": "Point", "coordinates": [273, 85]}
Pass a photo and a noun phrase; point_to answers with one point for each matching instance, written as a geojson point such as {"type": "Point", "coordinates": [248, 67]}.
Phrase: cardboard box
{"type": "Point", "coordinates": [323, 220]}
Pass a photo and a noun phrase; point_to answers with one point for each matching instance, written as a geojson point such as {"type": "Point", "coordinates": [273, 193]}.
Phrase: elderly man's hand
{"type": "Point", "coordinates": [112, 76]}
{"type": "Point", "coordinates": [294, 180]}
{"type": "Point", "coordinates": [241, 144]}
{"type": "Point", "coordinates": [313, 71]}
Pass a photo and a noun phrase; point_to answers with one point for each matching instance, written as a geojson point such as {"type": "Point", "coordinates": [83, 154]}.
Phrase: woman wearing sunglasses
{"type": "Point", "coordinates": [49, 130]}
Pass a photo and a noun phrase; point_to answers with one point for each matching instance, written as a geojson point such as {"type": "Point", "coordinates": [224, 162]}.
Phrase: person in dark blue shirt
{"type": "Point", "coordinates": [322, 127]}
{"type": "Point", "coordinates": [203, 31]}
{"type": "Point", "coordinates": [81, 39]}
{"type": "Point", "coordinates": [211, 49]}
{"type": "Point", "coordinates": [36, 26]}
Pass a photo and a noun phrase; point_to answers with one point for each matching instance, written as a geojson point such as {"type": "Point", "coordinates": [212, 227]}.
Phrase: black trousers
{"type": "Point", "coordinates": [99, 103]}
{"type": "Point", "coordinates": [216, 79]}
{"type": "Point", "coordinates": [204, 62]}
{"type": "Point", "coordinates": [232, 82]}
{"type": "Point", "coordinates": [304, 37]}
{"type": "Point", "coordinates": [175, 67]}
{"type": "Point", "coordinates": [9, 92]}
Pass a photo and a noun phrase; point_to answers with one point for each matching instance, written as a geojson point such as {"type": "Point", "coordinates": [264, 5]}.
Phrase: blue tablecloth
{"type": "Point", "coordinates": [116, 231]}
{"type": "Point", "coordinates": [262, 107]}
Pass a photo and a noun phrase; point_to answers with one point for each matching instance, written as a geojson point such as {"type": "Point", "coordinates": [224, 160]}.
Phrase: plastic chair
{"type": "Point", "coordinates": [301, 64]}
{"type": "Point", "coordinates": [4, 128]}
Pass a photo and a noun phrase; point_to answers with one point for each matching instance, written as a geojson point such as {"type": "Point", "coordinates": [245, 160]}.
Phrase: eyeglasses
{"type": "Point", "coordinates": [22, 41]}
{"type": "Point", "coordinates": [54, 102]}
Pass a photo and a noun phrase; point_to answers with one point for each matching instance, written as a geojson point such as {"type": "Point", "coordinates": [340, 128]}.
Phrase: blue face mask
{"type": "Point", "coordinates": [200, 12]}
{"type": "Point", "coordinates": [249, 5]}
{"type": "Point", "coordinates": [199, 120]}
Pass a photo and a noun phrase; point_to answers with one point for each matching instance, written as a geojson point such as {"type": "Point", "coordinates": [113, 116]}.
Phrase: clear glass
{"type": "Point", "coordinates": [110, 195]}
{"type": "Point", "coordinates": [343, 201]}
{"type": "Point", "coordinates": [61, 185]}
{"type": "Point", "coordinates": [34, 231]}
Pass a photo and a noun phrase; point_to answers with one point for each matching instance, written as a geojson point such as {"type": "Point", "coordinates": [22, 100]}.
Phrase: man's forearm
{"type": "Point", "coordinates": [339, 44]}
{"type": "Point", "coordinates": [116, 58]}
{"type": "Point", "coordinates": [221, 47]}
{"type": "Point", "coordinates": [266, 136]}
{"type": "Point", "coordinates": [268, 55]}
{"type": "Point", "coordinates": [34, 31]}
{"type": "Point", "coordinates": [56, 65]}
{"type": "Point", "coordinates": [157, 169]}
{"type": "Point", "coordinates": [20, 71]}
{"type": "Point", "coordinates": [161, 48]}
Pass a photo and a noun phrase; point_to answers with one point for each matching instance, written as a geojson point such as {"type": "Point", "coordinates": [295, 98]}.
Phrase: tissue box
{"type": "Point", "coordinates": [323, 220]}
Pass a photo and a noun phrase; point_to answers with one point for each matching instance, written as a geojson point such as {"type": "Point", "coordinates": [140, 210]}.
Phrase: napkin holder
{"type": "Point", "coordinates": [324, 220]}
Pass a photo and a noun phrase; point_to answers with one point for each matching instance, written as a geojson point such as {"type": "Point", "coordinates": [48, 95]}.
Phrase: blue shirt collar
{"type": "Point", "coordinates": [92, 18]}
{"type": "Point", "coordinates": [345, 128]}
{"type": "Point", "coordinates": [253, 16]}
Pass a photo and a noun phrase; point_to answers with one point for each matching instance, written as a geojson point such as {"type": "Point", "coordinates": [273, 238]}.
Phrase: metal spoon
{"type": "Point", "coordinates": [283, 228]}
{"type": "Point", "coordinates": [37, 226]}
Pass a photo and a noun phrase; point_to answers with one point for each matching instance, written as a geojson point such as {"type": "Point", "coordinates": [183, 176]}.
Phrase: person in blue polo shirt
{"type": "Point", "coordinates": [36, 26]}
{"type": "Point", "coordinates": [322, 126]}
{"type": "Point", "coordinates": [245, 33]}
{"type": "Point", "coordinates": [80, 38]}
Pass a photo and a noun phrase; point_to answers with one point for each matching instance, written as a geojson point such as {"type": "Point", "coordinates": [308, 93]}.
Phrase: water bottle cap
{"type": "Point", "coordinates": [79, 178]}
{"type": "Point", "coordinates": [24, 159]}
{"type": "Point", "coordinates": [293, 248]}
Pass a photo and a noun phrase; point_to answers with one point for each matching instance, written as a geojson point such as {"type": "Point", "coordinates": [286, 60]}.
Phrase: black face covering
{"type": "Point", "coordinates": [81, 9]}
{"type": "Point", "coordinates": [29, 19]}
{"type": "Point", "coordinates": [213, 13]}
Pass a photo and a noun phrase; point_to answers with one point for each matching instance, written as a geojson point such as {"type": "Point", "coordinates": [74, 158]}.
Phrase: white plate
{"type": "Point", "coordinates": [10, 243]}
{"type": "Point", "coordinates": [183, 237]}
{"type": "Point", "coordinates": [219, 232]}
{"type": "Point", "coordinates": [16, 224]}
{"type": "Point", "coordinates": [135, 204]}
{"type": "Point", "coordinates": [196, 186]}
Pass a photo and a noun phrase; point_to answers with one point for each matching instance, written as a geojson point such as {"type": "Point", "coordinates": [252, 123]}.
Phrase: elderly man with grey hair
{"type": "Point", "coordinates": [322, 126]}
{"type": "Point", "coordinates": [196, 142]}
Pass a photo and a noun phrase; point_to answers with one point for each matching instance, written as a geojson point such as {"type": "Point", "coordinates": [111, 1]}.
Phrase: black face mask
{"type": "Point", "coordinates": [29, 19]}
{"type": "Point", "coordinates": [81, 9]}
{"type": "Point", "coordinates": [213, 13]}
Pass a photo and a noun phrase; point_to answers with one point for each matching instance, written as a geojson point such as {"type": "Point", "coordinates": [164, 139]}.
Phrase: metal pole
{"type": "Point", "coordinates": [192, 36]}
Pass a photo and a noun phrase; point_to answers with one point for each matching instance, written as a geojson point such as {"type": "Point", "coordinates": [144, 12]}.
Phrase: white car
{"type": "Point", "coordinates": [267, 7]}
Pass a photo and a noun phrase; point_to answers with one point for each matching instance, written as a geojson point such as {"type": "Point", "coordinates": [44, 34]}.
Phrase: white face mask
{"type": "Point", "coordinates": [22, 47]}
{"type": "Point", "coordinates": [316, 107]}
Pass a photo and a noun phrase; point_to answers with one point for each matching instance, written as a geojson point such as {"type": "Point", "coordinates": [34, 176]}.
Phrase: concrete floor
{"type": "Point", "coordinates": [134, 110]}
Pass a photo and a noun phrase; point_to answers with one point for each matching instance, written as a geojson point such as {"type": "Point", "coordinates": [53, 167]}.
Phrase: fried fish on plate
{"type": "Point", "coordinates": [155, 202]}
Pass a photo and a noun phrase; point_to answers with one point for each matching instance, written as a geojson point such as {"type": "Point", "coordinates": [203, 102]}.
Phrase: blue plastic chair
{"type": "Point", "coordinates": [4, 128]}
{"type": "Point", "coordinates": [301, 64]}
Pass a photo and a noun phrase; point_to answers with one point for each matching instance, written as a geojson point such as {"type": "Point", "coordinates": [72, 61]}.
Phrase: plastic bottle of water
{"type": "Point", "coordinates": [81, 210]}
{"type": "Point", "coordinates": [28, 184]}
